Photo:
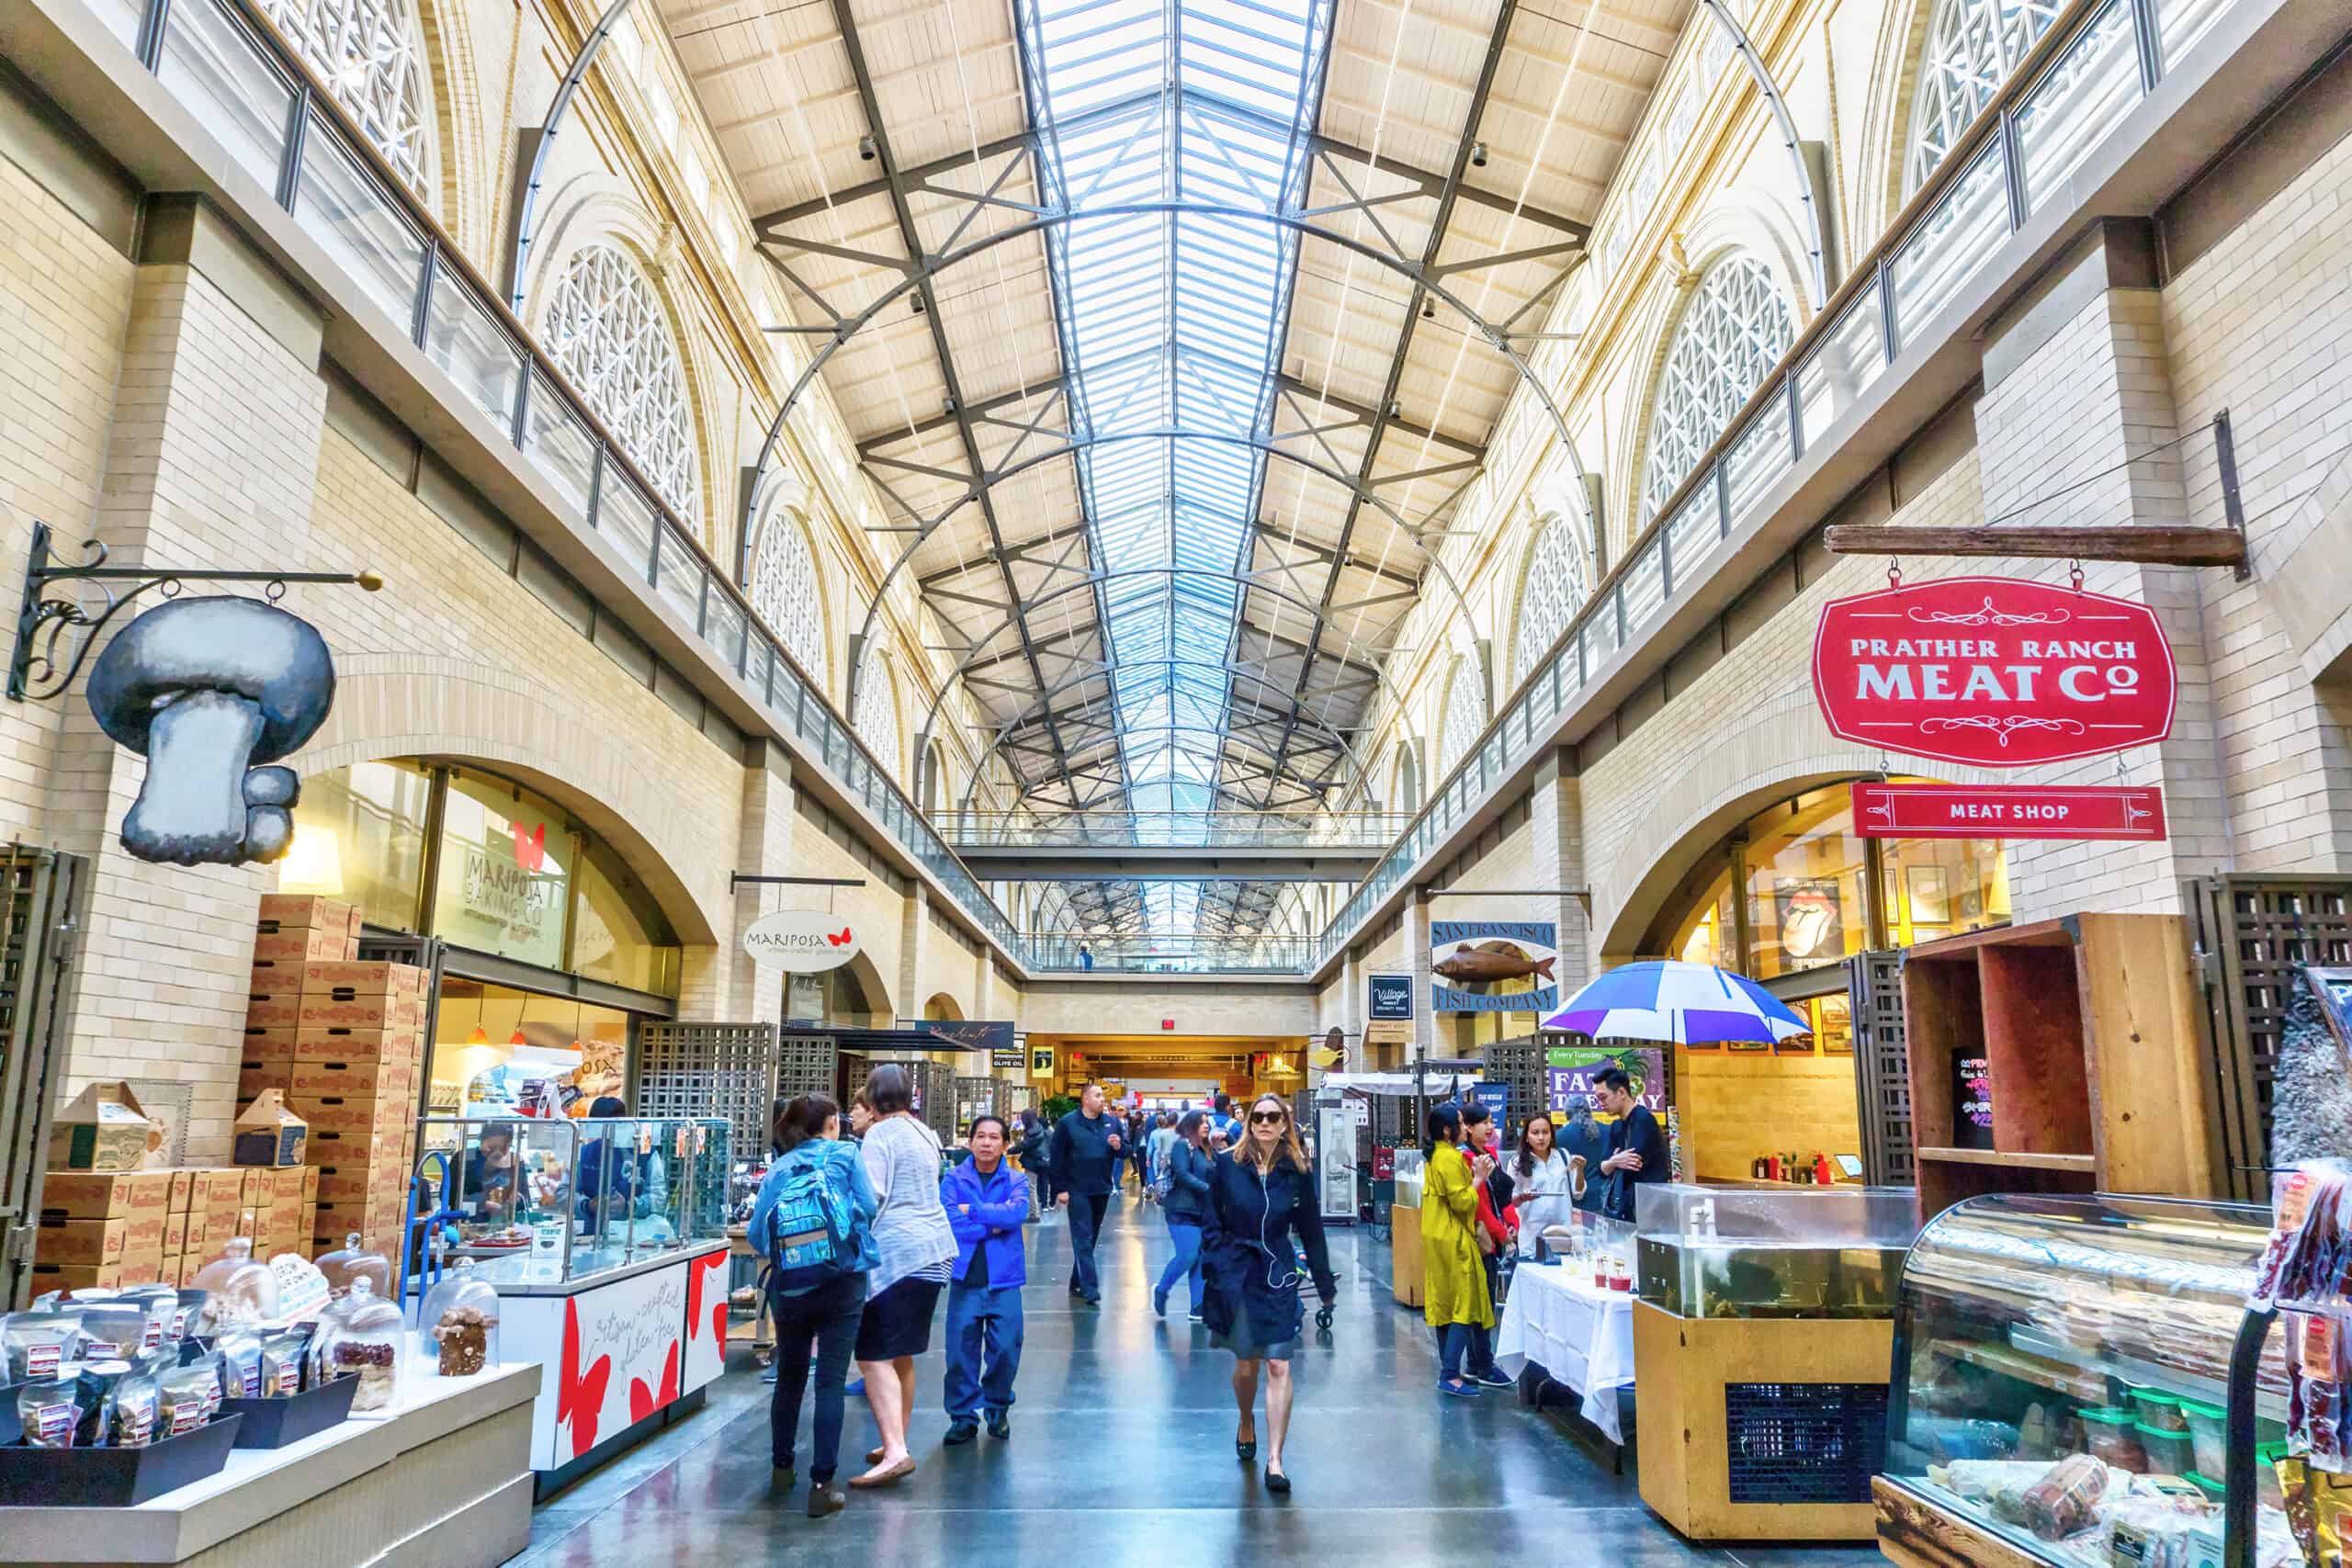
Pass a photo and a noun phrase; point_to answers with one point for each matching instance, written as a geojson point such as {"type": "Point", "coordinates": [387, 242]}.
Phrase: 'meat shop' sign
{"type": "Point", "coordinates": [1993, 672]}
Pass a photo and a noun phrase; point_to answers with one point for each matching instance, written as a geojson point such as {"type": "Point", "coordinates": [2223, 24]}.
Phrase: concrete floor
{"type": "Point", "coordinates": [1128, 1421]}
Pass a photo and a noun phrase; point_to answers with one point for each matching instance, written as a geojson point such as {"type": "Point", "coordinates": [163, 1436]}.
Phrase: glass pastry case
{"type": "Point", "coordinates": [556, 1200]}
{"type": "Point", "coordinates": [2062, 1383]}
{"type": "Point", "coordinates": [1789, 1252]}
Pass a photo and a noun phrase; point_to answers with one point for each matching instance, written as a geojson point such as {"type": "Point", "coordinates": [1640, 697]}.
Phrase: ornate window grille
{"type": "Point", "coordinates": [370, 54]}
{"type": "Point", "coordinates": [1971, 46]}
{"type": "Point", "coordinates": [1734, 331]}
{"type": "Point", "coordinates": [1553, 589]}
{"type": "Point", "coordinates": [1466, 713]}
{"type": "Point", "coordinates": [876, 719]}
{"type": "Point", "coordinates": [785, 592]}
{"type": "Point", "coordinates": [606, 328]}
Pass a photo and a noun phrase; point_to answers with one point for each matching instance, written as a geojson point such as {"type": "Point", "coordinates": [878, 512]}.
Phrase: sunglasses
{"type": "Point", "coordinates": [1262, 1116]}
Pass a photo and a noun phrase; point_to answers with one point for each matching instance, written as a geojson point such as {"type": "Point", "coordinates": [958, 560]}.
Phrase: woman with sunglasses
{"type": "Point", "coordinates": [1261, 1197]}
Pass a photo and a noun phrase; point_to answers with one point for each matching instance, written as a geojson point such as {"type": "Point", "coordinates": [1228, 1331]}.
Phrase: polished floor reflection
{"type": "Point", "coordinates": [1122, 1451]}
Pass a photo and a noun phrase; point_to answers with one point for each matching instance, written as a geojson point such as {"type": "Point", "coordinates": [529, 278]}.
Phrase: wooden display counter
{"type": "Point", "coordinates": [444, 1479]}
{"type": "Point", "coordinates": [1792, 1380]}
{"type": "Point", "coordinates": [1405, 1275]}
{"type": "Point", "coordinates": [1919, 1534]}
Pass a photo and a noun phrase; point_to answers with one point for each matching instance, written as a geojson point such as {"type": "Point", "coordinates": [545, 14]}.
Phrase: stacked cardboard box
{"type": "Point", "coordinates": [100, 1228]}
{"type": "Point", "coordinates": [345, 1041]}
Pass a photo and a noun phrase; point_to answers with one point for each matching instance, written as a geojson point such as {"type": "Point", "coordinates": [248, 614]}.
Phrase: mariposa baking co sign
{"type": "Point", "coordinates": [1993, 671]}
{"type": "Point", "coordinates": [806, 941]}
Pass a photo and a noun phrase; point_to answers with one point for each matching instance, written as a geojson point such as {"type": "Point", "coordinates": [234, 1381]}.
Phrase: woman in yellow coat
{"type": "Point", "coordinates": [1455, 1303]}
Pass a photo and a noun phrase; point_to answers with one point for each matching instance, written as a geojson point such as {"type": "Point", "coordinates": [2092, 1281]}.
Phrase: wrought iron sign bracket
{"type": "Point", "coordinates": [47, 618]}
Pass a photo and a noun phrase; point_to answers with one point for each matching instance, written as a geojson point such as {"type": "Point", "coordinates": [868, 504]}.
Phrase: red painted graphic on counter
{"type": "Point", "coordinates": [1993, 671]}
{"type": "Point", "coordinates": [579, 1399]}
{"type": "Point", "coordinates": [705, 1321]}
{"type": "Point", "coordinates": [644, 1401]}
{"type": "Point", "coordinates": [2006, 811]}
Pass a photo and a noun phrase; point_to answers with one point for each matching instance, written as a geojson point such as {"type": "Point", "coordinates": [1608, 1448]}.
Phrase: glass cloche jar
{"type": "Point", "coordinates": [363, 1334]}
{"type": "Point", "coordinates": [352, 1260]}
{"type": "Point", "coordinates": [238, 1290]}
{"type": "Point", "coordinates": [457, 1328]}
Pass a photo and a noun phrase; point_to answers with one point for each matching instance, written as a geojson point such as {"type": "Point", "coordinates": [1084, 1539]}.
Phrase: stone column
{"type": "Point", "coordinates": [914, 939]}
{"type": "Point", "coordinates": [1417, 957]}
{"type": "Point", "coordinates": [213, 462]}
{"type": "Point", "coordinates": [754, 992]}
{"type": "Point", "coordinates": [1353, 1011]}
{"type": "Point", "coordinates": [1556, 811]}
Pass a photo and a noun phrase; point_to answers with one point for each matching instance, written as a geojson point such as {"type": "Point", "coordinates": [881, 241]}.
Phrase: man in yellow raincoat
{"type": "Point", "coordinates": [1456, 1304]}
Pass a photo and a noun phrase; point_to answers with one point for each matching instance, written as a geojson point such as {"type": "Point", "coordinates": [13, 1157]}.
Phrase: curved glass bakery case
{"type": "Point", "coordinates": [2061, 1385]}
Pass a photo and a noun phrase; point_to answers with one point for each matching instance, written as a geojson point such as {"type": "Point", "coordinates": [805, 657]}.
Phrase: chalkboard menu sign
{"type": "Point", "coordinates": [1971, 1103]}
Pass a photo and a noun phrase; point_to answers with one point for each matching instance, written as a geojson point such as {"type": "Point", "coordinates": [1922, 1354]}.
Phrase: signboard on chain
{"type": "Point", "coordinates": [2006, 811]}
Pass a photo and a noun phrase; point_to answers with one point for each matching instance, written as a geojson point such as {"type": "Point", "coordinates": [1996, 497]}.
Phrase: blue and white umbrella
{"type": "Point", "coordinates": [1690, 1004]}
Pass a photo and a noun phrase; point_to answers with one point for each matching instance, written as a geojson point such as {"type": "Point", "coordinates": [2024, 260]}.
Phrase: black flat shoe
{"type": "Point", "coordinates": [1245, 1448]}
{"type": "Point", "coordinates": [1278, 1483]}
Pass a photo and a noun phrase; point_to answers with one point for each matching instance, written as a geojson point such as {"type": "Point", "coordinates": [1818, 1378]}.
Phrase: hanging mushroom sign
{"type": "Point", "coordinates": [209, 690]}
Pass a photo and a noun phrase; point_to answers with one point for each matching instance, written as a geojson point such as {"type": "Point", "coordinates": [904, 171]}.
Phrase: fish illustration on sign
{"type": "Point", "coordinates": [1489, 963]}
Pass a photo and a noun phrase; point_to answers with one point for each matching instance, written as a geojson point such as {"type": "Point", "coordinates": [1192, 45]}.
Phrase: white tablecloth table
{"type": "Point", "coordinates": [1583, 1337]}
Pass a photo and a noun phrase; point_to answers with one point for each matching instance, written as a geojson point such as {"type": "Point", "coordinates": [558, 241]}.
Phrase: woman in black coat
{"type": "Point", "coordinates": [1261, 1196]}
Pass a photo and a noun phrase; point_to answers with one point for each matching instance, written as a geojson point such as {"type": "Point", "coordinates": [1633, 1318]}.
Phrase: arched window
{"type": "Point", "coordinates": [1551, 591]}
{"type": "Point", "coordinates": [1971, 46]}
{"type": "Point", "coordinates": [876, 719]}
{"type": "Point", "coordinates": [1734, 331]}
{"type": "Point", "coordinates": [935, 764]}
{"type": "Point", "coordinates": [785, 592]}
{"type": "Point", "coordinates": [370, 54]}
{"type": "Point", "coordinates": [1465, 714]}
{"type": "Point", "coordinates": [1408, 778]}
{"type": "Point", "coordinates": [606, 328]}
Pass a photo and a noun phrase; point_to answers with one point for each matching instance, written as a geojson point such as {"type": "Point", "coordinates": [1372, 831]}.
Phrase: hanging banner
{"type": "Point", "coordinates": [1388, 1019]}
{"type": "Point", "coordinates": [1569, 1071]}
{"type": "Point", "coordinates": [2006, 811]}
{"type": "Point", "coordinates": [804, 942]}
{"type": "Point", "coordinates": [1493, 966]}
{"type": "Point", "coordinates": [1993, 671]}
{"type": "Point", "coordinates": [971, 1033]}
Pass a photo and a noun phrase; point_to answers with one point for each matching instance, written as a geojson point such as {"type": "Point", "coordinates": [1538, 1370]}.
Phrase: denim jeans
{"type": "Point", "coordinates": [829, 1316]}
{"type": "Point", "coordinates": [983, 1348]}
{"type": "Point", "coordinates": [1086, 1211]}
{"type": "Point", "coordinates": [1187, 1261]}
{"type": "Point", "coordinates": [1454, 1340]}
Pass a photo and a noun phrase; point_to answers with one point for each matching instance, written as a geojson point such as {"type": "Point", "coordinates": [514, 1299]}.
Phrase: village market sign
{"type": "Point", "coordinates": [1993, 672]}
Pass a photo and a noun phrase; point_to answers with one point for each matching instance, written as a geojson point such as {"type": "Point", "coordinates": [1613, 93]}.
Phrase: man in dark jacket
{"type": "Point", "coordinates": [1086, 1168]}
{"type": "Point", "coordinates": [1637, 1151]}
{"type": "Point", "coordinates": [1036, 1133]}
{"type": "Point", "coordinates": [985, 1207]}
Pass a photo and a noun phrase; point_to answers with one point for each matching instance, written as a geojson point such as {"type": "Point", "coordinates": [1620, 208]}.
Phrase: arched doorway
{"type": "Point", "coordinates": [943, 1009]}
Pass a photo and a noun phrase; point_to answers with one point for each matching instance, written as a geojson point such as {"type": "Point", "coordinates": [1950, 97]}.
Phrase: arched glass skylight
{"type": "Point", "coordinates": [1971, 46]}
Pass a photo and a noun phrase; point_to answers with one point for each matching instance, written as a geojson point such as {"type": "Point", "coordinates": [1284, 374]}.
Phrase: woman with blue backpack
{"type": "Point", "coordinates": [814, 1220]}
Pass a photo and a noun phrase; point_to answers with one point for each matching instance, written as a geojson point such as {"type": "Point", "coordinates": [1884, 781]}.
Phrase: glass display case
{"type": "Point", "coordinates": [1798, 1252]}
{"type": "Point", "coordinates": [1410, 1168]}
{"type": "Point", "coordinates": [557, 1201]}
{"type": "Point", "coordinates": [2061, 1380]}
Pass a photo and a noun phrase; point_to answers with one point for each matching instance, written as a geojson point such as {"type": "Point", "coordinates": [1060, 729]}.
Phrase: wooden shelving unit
{"type": "Point", "coordinates": [2088, 1031]}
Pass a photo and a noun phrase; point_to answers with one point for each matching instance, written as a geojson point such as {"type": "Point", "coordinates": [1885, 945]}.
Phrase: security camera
{"type": "Point", "coordinates": [1477, 154]}
{"type": "Point", "coordinates": [866, 150]}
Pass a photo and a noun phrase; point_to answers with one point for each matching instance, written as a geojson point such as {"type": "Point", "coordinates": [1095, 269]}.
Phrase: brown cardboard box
{"type": "Point", "coordinates": [81, 1241]}
{"type": "Point", "coordinates": [213, 1185]}
{"type": "Point", "coordinates": [286, 1185]}
{"type": "Point", "coordinates": [345, 981]}
{"type": "Point", "coordinates": [104, 1195]}
{"type": "Point", "coordinates": [321, 1079]}
{"type": "Point", "coordinates": [175, 1235]}
{"type": "Point", "coordinates": [255, 1079]}
{"type": "Point", "coordinates": [301, 944]}
{"type": "Point", "coordinates": [220, 1219]}
{"type": "Point", "coordinates": [353, 1046]}
{"type": "Point", "coordinates": [404, 1013]}
{"type": "Point", "coordinates": [251, 1184]}
{"type": "Point", "coordinates": [355, 1114]}
{"type": "Point", "coordinates": [105, 1128]}
{"type": "Point", "coordinates": [144, 1267]}
{"type": "Point", "coordinates": [47, 1277]}
{"type": "Point", "coordinates": [248, 1223]}
{"type": "Point", "coordinates": [269, 1134]}
{"type": "Point", "coordinates": [183, 1189]}
{"type": "Point", "coordinates": [377, 1148]}
{"type": "Point", "coordinates": [280, 1009]}
{"type": "Point", "coordinates": [339, 1184]}
{"type": "Point", "coordinates": [281, 911]}
{"type": "Point", "coordinates": [269, 1042]}
{"type": "Point", "coordinates": [143, 1231]}
{"type": "Point", "coordinates": [198, 1234]}
{"type": "Point", "coordinates": [309, 1183]}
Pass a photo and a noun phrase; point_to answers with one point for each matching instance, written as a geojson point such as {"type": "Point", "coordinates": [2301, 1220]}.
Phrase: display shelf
{"type": "Point", "coordinates": [2087, 1032]}
{"type": "Point", "coordinates": [2202, 1387]}
{"type": "Point", "coordinates": [2024, 1161]}
{"type": "Point", "coordinates": [2068, 1379]}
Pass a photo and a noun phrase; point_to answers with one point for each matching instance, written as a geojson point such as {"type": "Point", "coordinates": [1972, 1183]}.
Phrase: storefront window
{"type": "Point", "coordinates": [359, 837]}
{"type": "Point", "coordinates": [618, 934]}
{"type": "Point", "coordinates": [1706, 935]}
{"type": "Point", "coordinates": [505, 877]}
{"type": "Point", "coordinates": [1806, 885]}
{"type": "Point", "coordinates": [1942, 887]}
{"type": "Point", "coordinates": [497, 1051]}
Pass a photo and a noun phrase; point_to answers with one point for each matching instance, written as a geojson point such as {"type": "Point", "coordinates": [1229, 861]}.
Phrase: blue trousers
{"type": "Point", "coordinates": [1186, 1263]}
{"type": "Point", "coordinates": [1455, 1339]}
{"type": "Point", "coordinates": [983, 1348]}
{"type": "Point", "coordinates": [1086, 1211]}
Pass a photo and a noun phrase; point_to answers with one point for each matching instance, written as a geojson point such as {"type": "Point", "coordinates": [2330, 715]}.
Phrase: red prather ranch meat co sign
{"type": "Point", "coordinates": [1993, 672]}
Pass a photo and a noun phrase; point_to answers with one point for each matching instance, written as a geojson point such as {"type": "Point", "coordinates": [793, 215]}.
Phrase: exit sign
{"type": "Point", "coordinates": [1167, 1023]}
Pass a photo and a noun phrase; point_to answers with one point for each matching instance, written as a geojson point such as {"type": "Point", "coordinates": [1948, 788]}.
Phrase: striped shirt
{"type": "Point", "coordinates": [912, 1230]}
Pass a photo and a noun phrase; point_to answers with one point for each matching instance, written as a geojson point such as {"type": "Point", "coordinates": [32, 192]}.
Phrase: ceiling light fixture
{"type": "Point", "coordinates": [865, 153]}
{"type": "Point", "coordinates": [1477, 154]}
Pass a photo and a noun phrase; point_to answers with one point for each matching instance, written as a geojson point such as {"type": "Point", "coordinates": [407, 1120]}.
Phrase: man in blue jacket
{"type": "Point", "coordinates": [987, 1205]}
{"type": "Point", "coordinates": [1087, 1145]}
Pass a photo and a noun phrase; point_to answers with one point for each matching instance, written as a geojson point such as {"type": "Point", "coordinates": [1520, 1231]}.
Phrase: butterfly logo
{"type": "Point", "coordinates": [841, 941]}
{"type": "Point", "coordinates": [644, 1401]}
{"type": "Point", "coordinates": [697, 1272]}
{"type": "Point", "coordinates": [579, 1397]}
{"type": "Point", "coordinates": [531, 847]}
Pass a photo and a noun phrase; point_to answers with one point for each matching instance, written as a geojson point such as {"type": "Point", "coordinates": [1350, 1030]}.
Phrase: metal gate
{"type": "Point", "coordinates": [2246, 935]}
{"type": "Point", "coordinates": [1881, 1068]}
{"type": "Point", "coordinates": [726, 1070]}
{"type": "Point", "coordinates": [42, 895]}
